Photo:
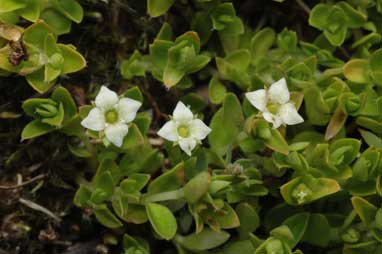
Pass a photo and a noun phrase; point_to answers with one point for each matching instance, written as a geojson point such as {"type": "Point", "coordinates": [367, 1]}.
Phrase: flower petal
{"type": "Point", "coordinates": [106, 98]}
{"type": "Point", "coordinates": [115, 133]}
{"type": "Point", "coordinates": [258, 99]}
{"type": "Point", "coordinates": [289, 114]}
{"type": "Point", "coordinates": [187, 145]}
{"type": "Point", "coordinates": [95, 120]}
{"type": "Point", "coordinates": [274, 119]}
{"type": "Point", "coordinates": [278, 92]}
{"type": "Point", "coordinates": [168, 131]}
{"type": "Point", "coordinates": [128, 108]}
{"type": "Point", "coordinates": [199, 129]}
{"type": "Point", "coordinates": [182, 113]}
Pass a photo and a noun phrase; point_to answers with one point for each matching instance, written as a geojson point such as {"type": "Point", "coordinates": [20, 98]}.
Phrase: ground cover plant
{"type": "Point", "coordinates": [191, 126]}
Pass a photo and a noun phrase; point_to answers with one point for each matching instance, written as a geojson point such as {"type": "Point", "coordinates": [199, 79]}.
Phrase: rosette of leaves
{"type": "Point", "coordinates": [334, 160]}
{"type": "Point", "coordinates": [46, 59]}
{"type": "Point", "coordinates": [300, 227]}
{"type": "Point", "coordinates": [335, 20]}
{"type": "Point", "coordinates": [363, 236]}
{"type": "Point", "coordinates": [49, 113]}
{"type": "Point", "coordinates": [219, 17]}
{"type": "Point", "coordinates": [135, 66]}
{"type": "Point", "coordinates": [366, 170]}
{"type": "Point", "coordinates": [59, 14]}
{"type": "Point", "coordinates": [173, 61]}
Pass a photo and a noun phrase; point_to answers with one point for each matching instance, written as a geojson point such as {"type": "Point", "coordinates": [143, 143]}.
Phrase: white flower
{"type": "Point", "coordinates": [111, 115]}
{"type": "Point", "coordinates": [184, 129]}
{"type": "Point", "coordinates": [275, 104]}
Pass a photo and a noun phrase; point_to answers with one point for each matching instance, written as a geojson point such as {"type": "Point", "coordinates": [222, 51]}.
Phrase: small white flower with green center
{"type": "Point", "coordinates": [111, 115]}
{"type": "Point", "coordinates": [184, 129]}
{"type": "Point", "coordinates": [275, 104]}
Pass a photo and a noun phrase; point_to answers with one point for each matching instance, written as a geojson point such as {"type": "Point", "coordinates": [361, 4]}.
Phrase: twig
{"type": "Point", "coordinates": [39, 208]}
{"type": "Point", "coordinates": [36, 178]}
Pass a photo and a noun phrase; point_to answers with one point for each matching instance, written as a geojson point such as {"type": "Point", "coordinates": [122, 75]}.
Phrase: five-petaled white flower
{"type": "Point", "coordinates": [275, 105]}
{"type": "Point", "coordinates": [184, 129]}
{"type": "Point", "coordinates": [111, 115]}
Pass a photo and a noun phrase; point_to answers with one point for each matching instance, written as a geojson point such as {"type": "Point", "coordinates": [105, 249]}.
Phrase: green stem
{"type": "Point", "coordinates": [163, 196]}
{"type": "Point", "coordinates": [349, 219]}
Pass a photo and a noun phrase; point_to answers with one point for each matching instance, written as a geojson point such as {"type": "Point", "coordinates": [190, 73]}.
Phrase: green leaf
{"type": "Point", "coordinates": [69, 8]}
{"type": "Point", "coordinates": [11, 5]}
{"type": "Point", "coordinates": [227, 217]}
{"type": "Point", "coordinates": [35, 34]}
{"type": "Point", "coordinates": [376, 67]}
{"type": "Point", "coordinates": [61, 94]}
{"type": "Point", "coordinates": [356, 70]}
{"type": "Point", "coordinates": [156, 8]}
{"type": "Point", "coordinates": [29, 106]}
{"type": "Point", "coordinates": [318, 226]}
{"type": "Point", "coordinates": [136, 214]}
{"type": "Point", "coordinates": [318, 16]}
{"type": "Point", "coordinates": [168, 181]}
{"type": "Point", "coordinates": [82, 196]}
{"type": "Point", "coordinates": [133, 138]}
{"type": "Point", "coordinates": [59, 23]}
{"type": "Point", "coordinates": [249, 219]}
{"type": "Point", "coordinates": [261, 43]}
{"type": "Point", "coordinates": [231, 117]}
{"type": "Point", "coordinates": [302, 190]}
{"type": "Point", "coordinates": [355, 18]}
{"type": "Point", "coordinates": [371, 139]}
{"type": "Point", "coordinates": [35, 128]}
{"type": "Point", "coordinates": [277, 142]}
{"type": "Point", "coordinates": [80, 152]}
{"type": "Point", "coordinates": [120, 205]}
{"type": "Point", "coordinates": [134, 66]}
{"type": "Point", "coordinates": [216, 90]}
{"type": "Point", "coordinates": [158, 57]}
{"type": "Point", "coordinates": [37, 81]}
{"type": "Point", "coordinates": [197, 187]}
{"type": "Point", "coordinates": [205, 240]}
{"type": "Point", "coordinates": [162, 220]}
{"type": "Point", "coordinates": [165, 32]}
{"type": "Point", "coordinates": [105, 182]}
{"type": "Point", "coordinates": [297, 224]}
{"type": "Point", "coordinates": [32, 10]}
{"type": "Point", "coordinates": [106, 217]}
{"type": "Point", "coordinates": [73, 61]}
{"type": "Point", "coordinates": [364, 209]}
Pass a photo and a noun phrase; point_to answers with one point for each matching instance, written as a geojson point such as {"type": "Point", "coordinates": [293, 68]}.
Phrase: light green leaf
{"type": "Point", "coordinates": [162, 220]}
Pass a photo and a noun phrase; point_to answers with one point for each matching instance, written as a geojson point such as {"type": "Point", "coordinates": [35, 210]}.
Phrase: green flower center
{"type": "Point", "coordinates": [273, 108]}
{"type": "Point", "coordinates": [183, 131]}
{"type": "Point", "coordinates": [111, 116]}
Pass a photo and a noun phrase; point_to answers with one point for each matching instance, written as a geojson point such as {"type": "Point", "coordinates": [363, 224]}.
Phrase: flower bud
{"type": "Point", "coordinates": [46, 110]}
{"type": "Point", "coordinates": [56, 60]}
{"type": "Point", "coordinates": [351, 236]}
{"type": "Point", "coordinates": [352, 103]}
